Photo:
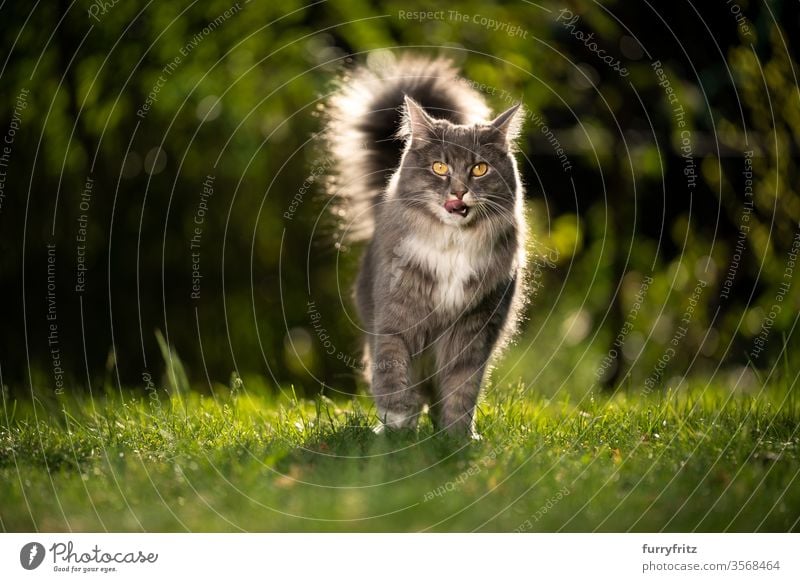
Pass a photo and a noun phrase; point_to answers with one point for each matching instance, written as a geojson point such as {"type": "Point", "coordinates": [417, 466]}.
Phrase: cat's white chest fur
{"type": "Point", "coordinates": [454, 257]}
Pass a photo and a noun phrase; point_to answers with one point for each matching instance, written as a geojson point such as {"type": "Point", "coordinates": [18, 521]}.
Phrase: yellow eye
{"type": "Point", "coordinates": [439, 168]}
{"type": "Point", "coordinates": [480, 169]}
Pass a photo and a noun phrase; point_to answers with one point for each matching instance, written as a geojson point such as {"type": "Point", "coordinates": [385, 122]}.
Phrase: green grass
{"type": "Point", "coordinates": [697, 460]}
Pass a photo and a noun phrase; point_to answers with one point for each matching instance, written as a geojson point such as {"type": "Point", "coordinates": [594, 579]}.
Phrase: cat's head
{"type": "Point", "coordinates": [461, 175]}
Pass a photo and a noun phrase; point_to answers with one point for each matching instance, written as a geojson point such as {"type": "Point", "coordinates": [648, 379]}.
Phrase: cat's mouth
{"type": "Point", "coordinates": [457, 207]}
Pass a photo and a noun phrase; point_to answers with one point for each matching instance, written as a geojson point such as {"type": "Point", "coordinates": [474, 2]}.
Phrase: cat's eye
{"type": "Point", "coordinates": [480, 169]}
{"type": "Point", "coordinates": [439, 168]}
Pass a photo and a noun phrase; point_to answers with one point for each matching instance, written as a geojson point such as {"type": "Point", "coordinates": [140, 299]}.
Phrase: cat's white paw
{"type": "Point", "coordinates": [396, 420]}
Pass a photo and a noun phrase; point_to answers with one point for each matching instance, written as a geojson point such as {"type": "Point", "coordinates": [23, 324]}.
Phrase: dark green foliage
{"type": "Point", "coordinates": [240, 106]}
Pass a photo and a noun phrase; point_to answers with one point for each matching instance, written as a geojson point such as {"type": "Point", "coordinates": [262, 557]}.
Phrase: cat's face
{"type": "Point", "coordinates": [460, 175]}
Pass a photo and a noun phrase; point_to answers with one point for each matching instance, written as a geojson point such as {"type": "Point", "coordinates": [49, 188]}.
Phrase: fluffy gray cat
{"type": "Point", "coordinates": [429, 179]}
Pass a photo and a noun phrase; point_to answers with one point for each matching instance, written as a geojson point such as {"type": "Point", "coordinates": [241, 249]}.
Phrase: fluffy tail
{"type": "Point", "coordinates": [363, 117]}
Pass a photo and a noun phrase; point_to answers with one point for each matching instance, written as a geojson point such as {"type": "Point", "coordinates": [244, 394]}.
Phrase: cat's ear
{"type": "Point", "coordinates": [417, 124]}
{"type": "Point", "coordinates": [509, 123]}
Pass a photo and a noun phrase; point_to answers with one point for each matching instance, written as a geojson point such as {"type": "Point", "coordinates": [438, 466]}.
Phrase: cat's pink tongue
{"type": "Point", "coordinates": [456, 207]}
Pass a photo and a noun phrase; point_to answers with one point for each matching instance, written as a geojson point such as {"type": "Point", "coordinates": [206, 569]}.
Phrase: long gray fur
{"type": "Point", "coordinates": [438, 292]}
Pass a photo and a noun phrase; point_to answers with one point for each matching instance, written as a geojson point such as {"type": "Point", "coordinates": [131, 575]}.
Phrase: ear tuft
{"type": "Point", "coordinates": [416, 123]}
{"type": "Point", "coordinates": [509, 123]}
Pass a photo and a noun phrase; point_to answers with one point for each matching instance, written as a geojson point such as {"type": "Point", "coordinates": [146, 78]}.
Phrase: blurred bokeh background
{"type": "Point", "coordinates": [163, 218]}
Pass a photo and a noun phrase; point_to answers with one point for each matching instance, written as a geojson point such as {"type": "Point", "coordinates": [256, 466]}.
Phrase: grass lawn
{"type": "Point", "coordinates": [699, 460]}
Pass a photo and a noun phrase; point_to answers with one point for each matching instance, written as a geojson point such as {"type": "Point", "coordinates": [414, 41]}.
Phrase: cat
{"type": "Point", "coordinates": [428, 179]}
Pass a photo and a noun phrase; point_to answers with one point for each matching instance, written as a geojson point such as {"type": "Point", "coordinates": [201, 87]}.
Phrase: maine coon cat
{"type": "Point", "coordinates": [428, 178]}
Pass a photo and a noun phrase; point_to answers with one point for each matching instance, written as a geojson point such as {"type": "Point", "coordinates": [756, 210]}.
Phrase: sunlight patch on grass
{"type": "Point", "coordinates": [250, 460]}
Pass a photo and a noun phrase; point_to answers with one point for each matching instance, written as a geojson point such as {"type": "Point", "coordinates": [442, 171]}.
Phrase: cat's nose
{"type": "Point", "coordinates": [459, 192]}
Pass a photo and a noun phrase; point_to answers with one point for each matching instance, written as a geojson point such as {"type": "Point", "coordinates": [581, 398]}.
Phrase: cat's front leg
{"type": "Point", "coordinates": [461, 363]}
{"type": "Point", "coordinates": [398, 403]}
{"type": "Point", "coordinates": [463, 352]}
